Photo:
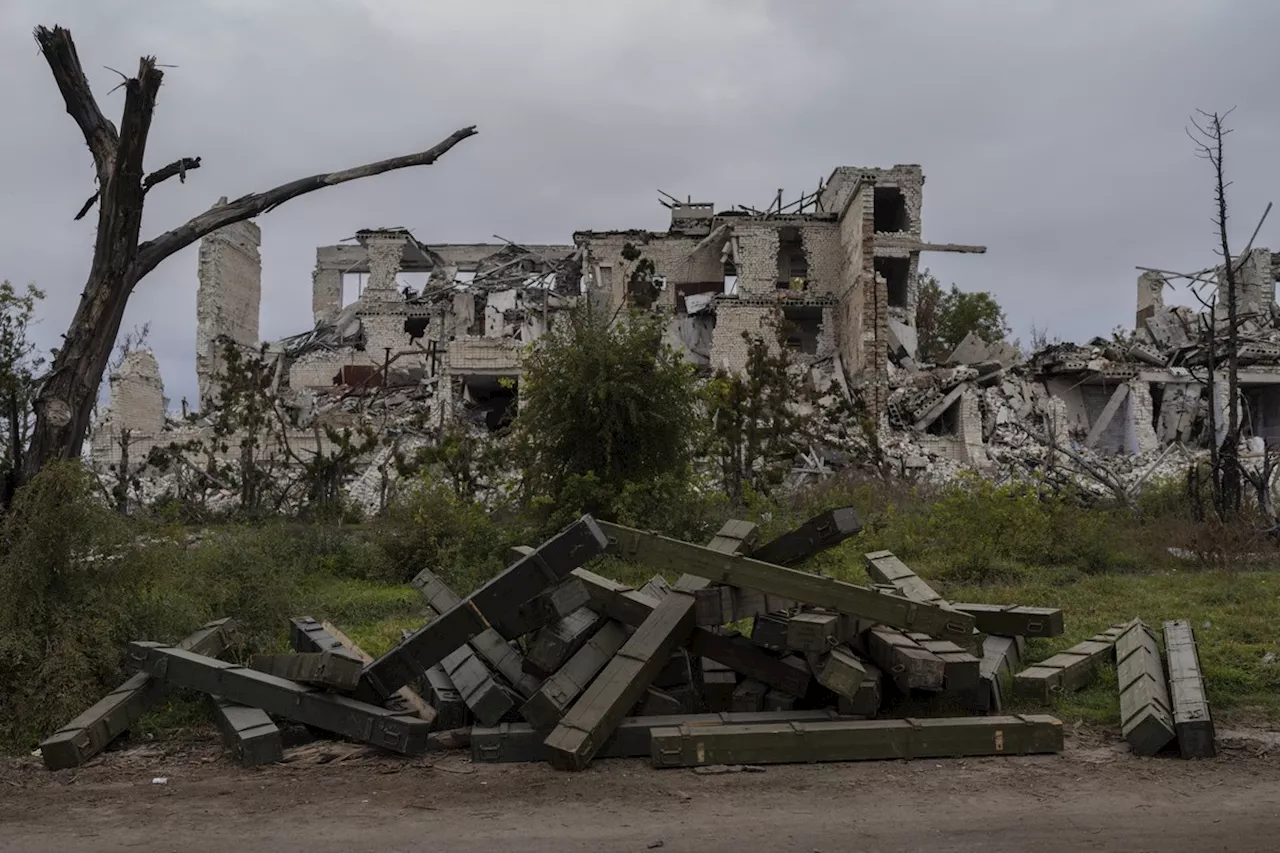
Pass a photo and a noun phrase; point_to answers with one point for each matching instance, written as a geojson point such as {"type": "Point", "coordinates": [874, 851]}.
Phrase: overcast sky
{"type": "Point", "coordinates": [1051, 132]}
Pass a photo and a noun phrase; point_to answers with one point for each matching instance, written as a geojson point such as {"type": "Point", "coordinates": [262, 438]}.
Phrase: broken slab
{"type": "Point", "coordinates": [104, 721]}
{"type": "Point", "coordinates": [1191, 717]}
{"type": "Point", "coordinates": [855, 740]}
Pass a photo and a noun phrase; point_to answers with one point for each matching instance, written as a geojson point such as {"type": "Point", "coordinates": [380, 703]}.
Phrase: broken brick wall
{"type": "Point", "coordinates": [673, 259]}
{"type": "Point", "coordinates": [729, 350]}
{"type": "Point", "coordinates": [228, 299]}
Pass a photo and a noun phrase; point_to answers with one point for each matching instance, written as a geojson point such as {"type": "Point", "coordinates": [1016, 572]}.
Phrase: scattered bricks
{"type": "Point", "coordinates": [866, 702]}
{"type": "Point", "coordinates": [657, 703]}
{"type": "Point", "coordinates": [248, 733]}
{"type": "Point", "coordinates": [308, 705]}
{"type": "Point", "coordinates": [735, 652]}
{"type": "Point", "coordinates": [816, 535]}
{"type": "Point", "coordinates": [309, 637]}
{"type": "Point", "coordinates": [1145, 717]}
{"type": "Point", "coordinates": [1191, 717]}
{"type": "Point", "coordinates": [556, 643]}
{"type": "Point", "coordinates": [904, 661]}
{"type": "Point", "coordinates": [839, 671]}
{"type": "Point", "coordinates": [853, 740]}
{"type": "Point", "coordinates": [1067, 671]}
{"type": "Point", "coordinates": [337, 670]}
{"type": "Point", "coordinates": [91, 732]}
{"type": "Point", "coordinates": [812, 632]}
{"type": "Point", "coordinates": [718, 684]}
{"type": "Point", "coordinates": [484, 696]}
{"type": "Point", "coordinates": [961, 670]}
{"type": "Point", "coordinates": [500, 597]}
{"type": "Point", "coordinates": [896, 611]}
{"type": "Point", "coordinates": [749, 696]}
{"type": "Point", "coordinates": [770, 631]}
{"type": "Point", "coordinates": [489, 644]}
{"type": "Point", "coordinates": [1015, 620]}
{"type": "Point", "coordinates": [553, 698]}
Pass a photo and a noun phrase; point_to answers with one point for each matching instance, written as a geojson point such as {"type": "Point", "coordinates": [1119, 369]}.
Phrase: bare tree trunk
{"type": "Point", "coordinates": [64, 401]}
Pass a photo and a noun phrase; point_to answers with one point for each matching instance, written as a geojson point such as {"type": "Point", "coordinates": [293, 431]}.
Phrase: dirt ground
{"type": "Point", "coordinates": [337, 797]}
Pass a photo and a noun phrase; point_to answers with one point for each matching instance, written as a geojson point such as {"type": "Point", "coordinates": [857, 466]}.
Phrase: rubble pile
{"type": "Point", "coordinates": [549, 661]}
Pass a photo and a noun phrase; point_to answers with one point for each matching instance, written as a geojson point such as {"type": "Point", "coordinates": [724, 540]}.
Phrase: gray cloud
{"type": "Point", "coordinates": [1050, 131]}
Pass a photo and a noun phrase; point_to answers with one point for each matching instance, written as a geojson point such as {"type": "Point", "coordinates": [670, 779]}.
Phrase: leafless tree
{"type": "Point", "coordinates": [65, 399]}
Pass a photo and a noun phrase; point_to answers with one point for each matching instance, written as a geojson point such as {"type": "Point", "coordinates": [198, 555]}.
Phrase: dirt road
{"type": "Point", "coordinates": [1095, 797]}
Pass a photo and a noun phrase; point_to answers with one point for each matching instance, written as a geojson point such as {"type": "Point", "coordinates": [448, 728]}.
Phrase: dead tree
{"type": "Point", "coordinates": [64, 400]}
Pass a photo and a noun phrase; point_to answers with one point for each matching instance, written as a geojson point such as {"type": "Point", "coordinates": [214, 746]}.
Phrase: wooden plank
{"type": "Point", "coordinates": [518, 742]}
{"type": "Point", "coordinates": [902, 659]}
{"type": "Point", "coordinates": [885, 568]}
{"type": "Point", "coordinates": [323, 635]}
{"type": "Point", "coordinates": [308, 705]}
{"type": "Point", "coordinates": [1015, 620]}
{"type": "Point", "coordinates": [499, 598]}
{"type": "Point", "coordinates": [720, 605]}
{"type": "Point", "coordinates": [1146, 720]}
{"type": "Point", "coordinates": [591, 720]}
{"type": "Point", "coordinates": [656, 702]}
{"type": "Point", "coordinates": [859, 740]}
{"type": "Point", "coordinates": [1001, 657]}
{"type": "Point", "coordinates": [554, 697]}
{"type": "Point", "coordinates": [489, 644]}
{"type": "Point", "coordinates": [248, 733]}
{"type": "Point", "coordinates": [769, 630]}
{"type": "Point", "coordinates": [1067, 671]}
{"type": "Point", "coordinates": [896, 611]}
{"type": "Point", "coordinates": [108, 718]}
{"type": "Point", "coordinates": [486, 698]}
{"type": "Point", "coordinates": [335, 670]}
{"type": "Point", "coordinates": [823, 531]}
{"type": "Point", "coordinates": [615, 600]}
{"type": "Point", "coordinates": [656, 587]}
{"type": "Point", "coordinates": [680, 669]}
{"type": "Point", "coordinates": [446, 701]}
{"type": "Point", "coordinates": [1192, 719]}
{"type": "Point", "coordinates": [740, 654]}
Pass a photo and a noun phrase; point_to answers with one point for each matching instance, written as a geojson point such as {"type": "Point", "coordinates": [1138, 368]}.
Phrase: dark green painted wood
{"type": "Point", "coordinates": [656, 702]}
{"type": "Point", "coordinates": [860, 740]}
{"type": "Point", "coordinates": [961, 670]}
{"type": "Point", "coordinates": [519, 742]}
{"type": "Point", "coordinates": [1015, 620]}
{"type": "Point", "coordinates": [749, 696]}
{"type": "Point", "coordinates": [732, 650]}
{"type": "Point", "coordinates": [104, 721]}
{"type": "Point", "coordinates": [718, 683]}
{"type": "Point", "coordinates": [679, 670]}
{"type": "Point", "coordinates": [403, 701]}
{"type": "Point", "coordinates": [840, 671]}
{"type": "Point", "coordinates": [486, 698]}
{"type": "Point", "coordinates": [554, 697]}
{"type": "Point", "coordinates": [812, 631]}
{"type": "Point", "coordinates": [1192, 719]}
{"type": "Point", "coordinates": [559, 641]}
{"type": "Point", "coordinates": [866, 702]}
{"type": "Point", "coordinates": [337, 670]}
{"type": "Point", "coordinates": [500, 597]}
{"type": "Point", "coordinates": [903, 660]}
{"type": "Point", "coordinates": [1067, 671]}
{"type": "Point", "coordinates": [308, 705]}
{"type": "Point", "coordinates": [248, 733]}
{"type": "Point", "coordinates": [823, 531]}
{"type": "Point", "coordinates": [615, 600]}
{"type": "Point", "coordinates": [451, 711]}
{"type": "Point", "coordinates": [897, 611]}
{"type": "Point", "coordinates": [1146, 720]}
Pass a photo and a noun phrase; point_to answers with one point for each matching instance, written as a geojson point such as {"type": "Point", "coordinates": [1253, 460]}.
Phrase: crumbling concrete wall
{"type": "Point", "coordinates": [757, 258]}
{"type": "Point", "coordinates": [1150, 298]}
{"type": "Point", "coordinates": [1139, 430]}
{"type": "Point", "coordinates": [326, 294]}
{"type": "Point", "coordinates": [673, 257]}
{"type": "Point", "coordinates": [137, 399]}
{"type": "Point", "coordinates": [228, 299]}
{"type": "Point", "coordinates": [729, 349]}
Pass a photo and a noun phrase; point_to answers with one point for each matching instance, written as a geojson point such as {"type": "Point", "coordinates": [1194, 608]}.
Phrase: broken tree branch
{"type": "Point", "coordinates": [177, 167]}
{"type": "Point", "coordinates": [99, 133]}
{"type": "Point", "coordinates": [152, 252]}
